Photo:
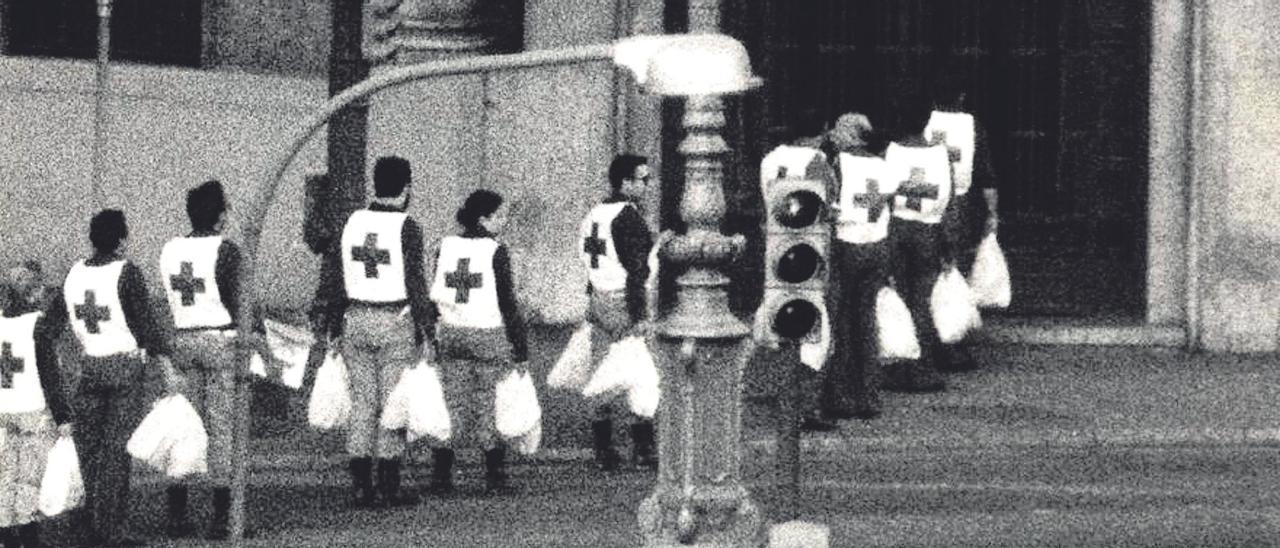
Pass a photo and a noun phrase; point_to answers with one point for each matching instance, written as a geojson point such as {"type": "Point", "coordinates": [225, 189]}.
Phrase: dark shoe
{"type": "Point", "coordinates": [218, 528]}
{"type": "Point", "coordinates": [127, 542]}
{"type": "Point", "coordinates": [644, 453]}
{"type": "Point", "coordinates": [607, 458]}
{"type": "Point", "coordinates": [912, 377]}
{"type": "Point", "coordinates": [957, 359]}
{"type": "Point", "coordinates": [441, 472]}
{"type": "Point", "coordinates": [362, 482]}
{"type": "Point", "coordinates": [495, 471]}
{"type": "Point", "coordinates": [389, 484]}
{"type": "Point", "coordinates": [177, 525]}
{"type": "Point", "coordinates": [815, 423]}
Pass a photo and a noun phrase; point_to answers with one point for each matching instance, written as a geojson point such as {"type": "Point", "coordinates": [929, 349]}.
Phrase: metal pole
{"type": "Point", "coordinates": [100, 100]}
{"type": "Point", "coordinates": [257, 208]}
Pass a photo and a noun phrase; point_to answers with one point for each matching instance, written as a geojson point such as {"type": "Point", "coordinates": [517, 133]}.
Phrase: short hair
{"type": "Point", "coordinates": [205, 204]}
{"type": "Point", "coordinates": [480, 203]}
{"type": "Point", "coordinates": [107, 229]}
{"type": "Point", "coordinates": [391, 174]}
{"type": "Point", "coordinates": [623, 167]}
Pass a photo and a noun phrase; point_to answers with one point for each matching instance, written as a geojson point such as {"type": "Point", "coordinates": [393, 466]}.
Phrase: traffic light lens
{"type": "Point", "coordinates": [799, 209]}
{"type": "Point", "coordinates": [799, 263]}
{"type": "Point", "coordinates": [795, 319]}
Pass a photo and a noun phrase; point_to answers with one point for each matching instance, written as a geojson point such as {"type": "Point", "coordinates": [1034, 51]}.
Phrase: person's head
{"type": "Point", "coordinates": [392, 177]}
{"type": "Point", "coordinates": [629, 176]}
{"type": "Point", "coordinates": [108, 231]}
{"type": "Point", "coordinates": [483, 209]}
{"type": "Point", "coordinates": [852, 131]}
{"type": "Point", "coordinates": [207, 207]}
{"type": "Point", "coordinates": [911, 114]}
{"type": "Point", "coordinates": [24, 285]}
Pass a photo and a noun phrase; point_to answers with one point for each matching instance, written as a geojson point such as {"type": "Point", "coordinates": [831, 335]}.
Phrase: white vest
{"type": "Point", "coordinates": [188, 269]}
{"type": "Point", "coordinates": [20, 390]}
{"type": "Point", "coordinates": [372, 258]}
{"type": "Point", "coordinates": [793, 161]}
{"type": "Point", "coordinates": [956, 131]}
{"type": "Point", "coordinates": [866, 196]}
{"type": "Point", "coordinates": [923, 176]}
{"type": "Point", "coordinates": [93, 308]}
{"type": "Point", "coordinates": [463, 287]}
{"type": "Point", "coordinates": [598, 251]}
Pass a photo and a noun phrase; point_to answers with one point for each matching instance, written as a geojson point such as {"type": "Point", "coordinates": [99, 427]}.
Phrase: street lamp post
{"type": "Point", "coordinates": [700, 498]}
{"type": "Point", "coordinates": [100, 101]}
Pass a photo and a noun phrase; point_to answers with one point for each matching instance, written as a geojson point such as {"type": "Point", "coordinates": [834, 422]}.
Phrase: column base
{"type": "Point", "coordinates": [723, 518]}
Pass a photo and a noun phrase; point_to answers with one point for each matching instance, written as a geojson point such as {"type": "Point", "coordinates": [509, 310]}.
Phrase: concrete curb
{"type": "Point", "coordinates": [833, 444]}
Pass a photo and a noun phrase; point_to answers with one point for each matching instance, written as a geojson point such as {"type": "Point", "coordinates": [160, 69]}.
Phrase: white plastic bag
{"type": "Point", "coordinates": [428, 412]}
{"type": "Point", "coordinates": [646, 386]}
{"type": "Point", "coordinates": [895, 332]}
{"type": "Point", "coordinates": [573, 368]}
{"type": "Point", "coordinates": [62, 486]}
{"type": "Point", "coordinates": [330, 404]}
{"type": "Point", "coordinates": [954, 313]}
{"type": "Point", "coordinates": [516, 407]}
{"type": "Point", "coordinates": [990, 275]}
{"type": "Point", "coordinates": [172, 438]}
{"type": "Point", "coordinates": [814, 353]}
{"type": "Point", "coordinates": [151, 441]}
{"type": "Point", "coordinates": [528, 443]}
{"type": "Point", "coordinates": [626, 360]}
{"type": "Point", "coordinates": [417, 405]}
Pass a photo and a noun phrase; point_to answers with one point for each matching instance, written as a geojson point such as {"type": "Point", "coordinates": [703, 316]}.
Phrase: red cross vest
{"type": "Point", "coordinates": [795, 162]}
{"type": "Point", "coordinates": [956, 131]}
{"type": "Point", "coordinates": [372, 258]}
{"type": "Point", "coordinates": [598, 251]}
{"type": "Point", "coordinates": [463, 286]}
{"type": "Point", "coordinates": [188, 270]}
{"type": "Point", "coordinates": [92, 294]}
{"type": "Point", "coordinates": [20, 389]}
{"type": "Point", "coordinates": [923, 175]}
{"type": "Point", "coordinates": [866, 194]}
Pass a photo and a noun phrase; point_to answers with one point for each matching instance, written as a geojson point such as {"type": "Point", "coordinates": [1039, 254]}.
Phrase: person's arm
{"type": "Point", "coordinates": [415, 281]}
{"type": "Point", "coordinates": [984, 176]}
{"type": "Point", "coordinates": [632, 241]}
{"type": "Point", "coordinates": [226, 274]}
{"type": "Point", "coordinates": [139, 315]}
{"type": "Point", "coordinates": [504, 283]}
{"type": "Point", "coordinates": [54, 308]}
{"type": "Point", "coordinates": [330, 303]}
{"type": "Point", "coordinates": [51, 381]}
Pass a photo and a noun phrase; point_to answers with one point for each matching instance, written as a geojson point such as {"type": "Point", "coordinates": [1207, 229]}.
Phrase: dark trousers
{"type": "Point", "coordinates": [964, 224]}
{"type": "Point", "coordinates": [108, 409]}
{"type": "Point", "coordinates": [918, 253]}
{"type": "Point", "coordinates": [853, 374]}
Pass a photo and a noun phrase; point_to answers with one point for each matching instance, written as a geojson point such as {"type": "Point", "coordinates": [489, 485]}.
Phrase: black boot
{"type": "Point", "coordinates": [9, 536]}
{"type": "Point", "coordinates": [389, 484]}
{"type": "Point", "coordinates": [495, 471]}
{"type": "Point", "coordinates": [362, 482]}
{"type": "Point", "coordinates": [644, 453]}
{"type": "Point", "coordinates": [441, 471]}
{"type": "Point", "coordinates": [607, 457]}
{"type": "Point", "coordinates": [177, 525]}
{"type": "Point", "coordinates": [218, 529]}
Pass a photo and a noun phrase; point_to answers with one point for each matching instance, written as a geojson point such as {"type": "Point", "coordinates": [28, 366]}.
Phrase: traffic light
{"type": "Point", "coordinates": [797, 251]}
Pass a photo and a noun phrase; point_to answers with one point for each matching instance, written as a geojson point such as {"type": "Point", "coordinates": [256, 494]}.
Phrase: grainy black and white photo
{"type": "Point", "coordinates": [639, 273]}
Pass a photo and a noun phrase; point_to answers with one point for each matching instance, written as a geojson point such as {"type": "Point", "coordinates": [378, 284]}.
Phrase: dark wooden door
{"type": "Point", "coordinates": [1060, 86]}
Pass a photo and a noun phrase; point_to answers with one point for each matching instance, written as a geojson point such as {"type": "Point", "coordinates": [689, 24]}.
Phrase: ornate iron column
{"type": "Point", "coordinates": [700, 499]}
{"type": "Point", "coordinates": [413, 31]}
